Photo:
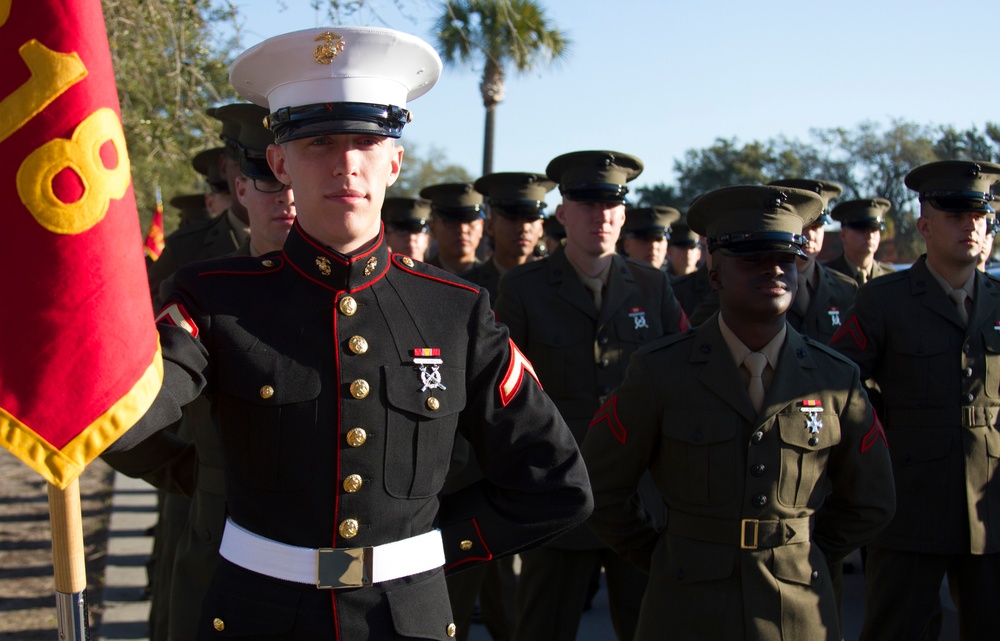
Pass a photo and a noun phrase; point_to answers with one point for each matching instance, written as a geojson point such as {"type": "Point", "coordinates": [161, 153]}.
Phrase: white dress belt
{"type": "Point", "coordinates": [332, 568]}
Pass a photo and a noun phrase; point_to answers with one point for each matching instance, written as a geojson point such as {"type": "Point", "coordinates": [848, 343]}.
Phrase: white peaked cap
{"type": "Point", "coordinates": [373, 65]}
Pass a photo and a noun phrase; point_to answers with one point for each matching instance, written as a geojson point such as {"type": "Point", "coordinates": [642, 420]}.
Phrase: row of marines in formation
{"type": "Point", "coordinates": [736, 447]}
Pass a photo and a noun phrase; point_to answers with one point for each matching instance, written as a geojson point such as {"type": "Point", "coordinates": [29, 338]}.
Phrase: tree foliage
{"type": "Point", "coordinates": [170, 65]}
{"type": "Point", "coordinates": [497, 34]}
{"type": "Point", "coordinates": [420, 171]}
{"type": "Point", "coordinates": [869, 160]}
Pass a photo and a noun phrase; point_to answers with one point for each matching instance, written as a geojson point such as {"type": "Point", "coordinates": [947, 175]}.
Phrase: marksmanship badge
{"type": "Point", "coordinates": [639, 317]}
{"type": "Point", "coordinates": [426, 357]}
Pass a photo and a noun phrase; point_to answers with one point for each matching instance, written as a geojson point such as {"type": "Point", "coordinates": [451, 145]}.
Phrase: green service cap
{"type": "Point", "coordinates": [594, 176]}
{"type": "Point", "coordinates": [652, 223]}
{"type": "Point", "coordinates": [230, 130]}
{"type": "Point", "coordinates": [755, 219]}
{"type": "Point", "coordinates": [515, 194]}
{"type": "Point", "coordinates": [206, 163]}
{"type": "Point", "coordinates": [681, 234]}
{"type": "Point", "coordinates": [406, 214]}
{"type": "Point", "coordinates": [827, 191]}
{"type": "Point", "coordinates": [956, 185]}
{"type": "Point", "coordinates": [864, 213]}
{"type": "Point", "coordinates": [191, 206]}
{"type": "Point", "coordinates": [455, 201]}
{"type": "Point", "coordinates": [253, 139]}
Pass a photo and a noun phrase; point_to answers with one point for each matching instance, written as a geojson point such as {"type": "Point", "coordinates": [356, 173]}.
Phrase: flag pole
{"type": "Point", "coordinates": [69, 562]}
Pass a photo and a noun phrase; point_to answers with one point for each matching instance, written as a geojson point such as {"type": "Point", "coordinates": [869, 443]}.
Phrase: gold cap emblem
{"type": "Point", "coordinates": [332, 46]}
{"type": "Point", "coordinates": [323, 263]}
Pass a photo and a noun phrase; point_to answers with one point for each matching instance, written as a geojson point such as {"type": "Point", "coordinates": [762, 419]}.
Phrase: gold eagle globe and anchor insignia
{"type": "Point", "coordinates": [323, 263]}
{"type": "Point", "coordinates": [333, 46]}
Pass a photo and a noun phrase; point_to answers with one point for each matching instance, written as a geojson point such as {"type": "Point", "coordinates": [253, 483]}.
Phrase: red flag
{"type": "Point", "coordinates": [154, 237]}
{"type": "Point", "coordinates": [79, 354]}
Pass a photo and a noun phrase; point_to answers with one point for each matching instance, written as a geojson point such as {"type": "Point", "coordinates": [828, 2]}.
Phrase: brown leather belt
{"type": "Point", "coordinates": [964, 415]}
{"type": "Point", "coordinates": [749, 534]}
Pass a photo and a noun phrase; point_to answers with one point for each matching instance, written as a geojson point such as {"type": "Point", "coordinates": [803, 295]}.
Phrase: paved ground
{"type": "Point", "coordinates": [124, 612]}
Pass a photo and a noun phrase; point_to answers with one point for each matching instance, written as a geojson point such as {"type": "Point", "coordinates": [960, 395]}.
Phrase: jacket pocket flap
{"type": "Point", "coordinates": [403, 389]}
{"type": "Point", "coordinates": [266, 378]}
{"type": "Point", "coordinates": [809, 431]}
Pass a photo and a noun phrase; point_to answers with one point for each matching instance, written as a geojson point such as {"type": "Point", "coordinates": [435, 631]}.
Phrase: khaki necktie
{"type": "Point", "coordinates": [958, 296]}
{"type": "Point", "coordinates": [801, 302]}
{"type": "Point", "coordinates": [755, 362]}
{"type": "Point", "coordinates": [595, 286]}
{"type": "Point", "coordinates": [861, 277]}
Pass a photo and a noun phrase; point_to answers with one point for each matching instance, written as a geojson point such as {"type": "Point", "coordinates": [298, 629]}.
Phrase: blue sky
{"type": "Point", "coordinates": [656, 78]}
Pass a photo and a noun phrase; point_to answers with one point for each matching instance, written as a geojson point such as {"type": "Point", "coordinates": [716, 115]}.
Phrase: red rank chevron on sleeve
{"type": "Point", "coordinates": [608, 413]}
{"type": "Point", "coordinates": [511, 383]}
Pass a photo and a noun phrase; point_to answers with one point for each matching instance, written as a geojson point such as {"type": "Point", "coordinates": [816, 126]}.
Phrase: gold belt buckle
{"type": "Point", "coordinates": [749, 525]}
{"type": "Point", "coordinates": [338, 568]}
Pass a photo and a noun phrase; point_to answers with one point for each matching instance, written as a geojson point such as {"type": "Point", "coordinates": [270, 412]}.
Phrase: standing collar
{"type": "Point", "coordinates": [334, 270]}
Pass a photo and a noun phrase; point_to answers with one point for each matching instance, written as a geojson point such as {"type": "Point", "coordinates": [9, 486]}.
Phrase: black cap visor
{"type": "Point", "coordinates": [651, 233]}
{"type": "Point", "coordinates": [459, 214]}
{"type": "Point", "coordinates": [408, 226]}
{"type": "Point", "coordinates": [595, 193]}
{"type": "Point", "coordinates": [959, 201]}
{"type": "Point", "coordinates": [519, 209]}
{"type": "Point", "coordinates": [334, 118]}
{"type": "Point", "coordinates": [748, 244]}
{"type": "Point", "coordinates": [865, 224]}
{"type": "Point", "coordinates": [253, 164]}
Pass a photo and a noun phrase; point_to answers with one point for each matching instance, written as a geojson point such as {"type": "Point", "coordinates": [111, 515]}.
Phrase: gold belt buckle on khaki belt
{"type": "Point", "coordinates": [751, 527]}
{"type": "Point", "coordinates": [338, 568]}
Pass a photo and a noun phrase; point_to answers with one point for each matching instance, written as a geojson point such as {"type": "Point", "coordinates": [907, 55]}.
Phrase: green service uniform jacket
{"type": "Point", "coordinates": [841, 265]}
{"type": "Point", "coordinates": [487, 276]}
{"type": "Point", "coordinates": [199, 241]}
{"type": "Point", "coordinates": [691, 288]}
{"type": "Point", "coordinates": [308, 359]}
{"type": "Point", "coordinates": [940, 384]}
{"type": "Point", "coordinates": [824, 316]}
{"type": "Point", "coordinates": [580, 354]}
{"type": "Point", "coordinates": [828, 305]}
{"type": "Point", "coordinates": [756, 504]}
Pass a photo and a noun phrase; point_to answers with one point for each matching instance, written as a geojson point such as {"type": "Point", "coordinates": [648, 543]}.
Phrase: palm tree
{"type": "Point", "coordinates": [497, 33]}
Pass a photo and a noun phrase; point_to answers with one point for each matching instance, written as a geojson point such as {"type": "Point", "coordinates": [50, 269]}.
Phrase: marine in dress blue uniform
{"type": "Point", "coordinates": [340, 374]}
